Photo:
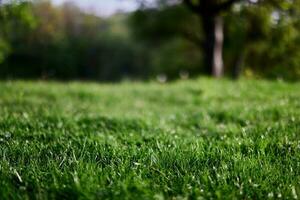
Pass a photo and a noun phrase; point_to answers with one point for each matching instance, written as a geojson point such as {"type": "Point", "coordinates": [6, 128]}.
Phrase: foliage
{"type": "Point", "coordinates": [66, 43]}
{"type": "Point", "coordinates": [15, 21]}
{"type": "Point", "coordinates": [263, 36]}
{"type": "Point", "coordinates": [39, 40]}
{"type": "Point", "coordinates": [270, 38]}
{"type": "Point", "coordinates": [207, 138]}
{"type": "Point", "coordinates": [170, 39]}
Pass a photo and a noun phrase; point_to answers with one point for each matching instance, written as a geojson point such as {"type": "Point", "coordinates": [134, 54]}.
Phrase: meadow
{"type": "Point", "coordinates": [193, 139]}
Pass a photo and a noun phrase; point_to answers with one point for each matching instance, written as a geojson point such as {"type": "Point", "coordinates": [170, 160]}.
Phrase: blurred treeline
{"type": "Point", "coordinates": [38, 40]}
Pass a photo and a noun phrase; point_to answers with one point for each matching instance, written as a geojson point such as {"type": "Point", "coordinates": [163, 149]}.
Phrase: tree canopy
{"type": "Point", "coordinates": [262, 36]}
{"type": "Point", "coordinates": [39, 40]}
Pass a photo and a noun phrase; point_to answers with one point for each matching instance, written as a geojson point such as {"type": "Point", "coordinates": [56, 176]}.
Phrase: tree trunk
{"type": "Point", "coordinates": [213, 44]}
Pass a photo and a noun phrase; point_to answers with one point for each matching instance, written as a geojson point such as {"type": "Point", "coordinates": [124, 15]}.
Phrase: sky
{"type": "Point", "coordinates": [102, 7]}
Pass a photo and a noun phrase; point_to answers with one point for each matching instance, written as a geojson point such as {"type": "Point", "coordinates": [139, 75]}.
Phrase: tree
{"type": "Point", "coordinates": [260, 36]}
{"type": "Point", "coordinates": [209, 12]}
{"type": "Point", "coordinates": [15, 20]}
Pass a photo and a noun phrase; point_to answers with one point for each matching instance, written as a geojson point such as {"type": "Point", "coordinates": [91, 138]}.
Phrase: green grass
{"type": "Point", "coordinates": [210, 139]}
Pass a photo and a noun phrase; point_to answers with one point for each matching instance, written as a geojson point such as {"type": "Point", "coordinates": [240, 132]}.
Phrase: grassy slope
{"type": "Point", "coordinates": [201, 138]}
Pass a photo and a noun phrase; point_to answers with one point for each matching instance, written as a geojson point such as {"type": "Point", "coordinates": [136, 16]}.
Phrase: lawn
{"type": "Point", "coordinates": [201, 139]}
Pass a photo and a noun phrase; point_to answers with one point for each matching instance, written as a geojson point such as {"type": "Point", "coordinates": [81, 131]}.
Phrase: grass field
{"type": "Point", "coordinates": [210, 139]}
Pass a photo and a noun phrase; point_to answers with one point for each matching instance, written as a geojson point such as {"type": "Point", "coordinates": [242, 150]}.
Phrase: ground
{"type": "Point", "coordinates": [195, 139]}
